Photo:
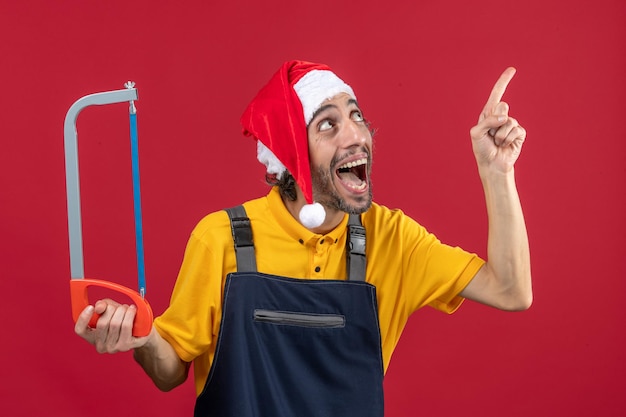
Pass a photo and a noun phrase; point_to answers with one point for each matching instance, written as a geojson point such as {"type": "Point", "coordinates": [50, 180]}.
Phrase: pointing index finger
{"type": "Point", "coordinates": [498, 90]}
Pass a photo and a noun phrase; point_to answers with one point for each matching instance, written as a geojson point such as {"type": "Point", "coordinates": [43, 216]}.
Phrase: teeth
{"type": "Point", "coordinates": [353, 164]}
{"type": "Point", "coordinates": [358, 187]}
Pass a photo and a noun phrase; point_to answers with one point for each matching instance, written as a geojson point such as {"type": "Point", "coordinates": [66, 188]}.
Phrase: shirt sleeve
{"type": "Point", "coordinates": [411, 268]}
{"type": "Point", "coordinates": [191, 322]}
{"type": "Point", "coordinates": [435, 273]}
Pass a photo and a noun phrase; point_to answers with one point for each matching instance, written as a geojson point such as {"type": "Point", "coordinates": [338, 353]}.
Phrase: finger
{"type": "Point", "coordinates": [499, 117]}
{"type": "Point", "coordinates": [504, 135]}
{"type": "Point", "coordinates": [516, 135]}
{"type": "Point", "coordinates": [489, 125]}
{"type": "Point", "coordinates": [102, 327]}
{"type": "Point", "coordinates": [498, 91]}
{"type": "Point", "coordinates": [81, 327]}
{"type": "Point", "coordinates": [126, 332]}
{"type": "Point", "coordinates": [101, 305]}
{"type": "Point", "coordinates": [115, 328]}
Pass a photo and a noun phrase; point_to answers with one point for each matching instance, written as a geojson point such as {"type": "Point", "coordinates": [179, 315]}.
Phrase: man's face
{"type": "Point", "coordinates": [340, 152]}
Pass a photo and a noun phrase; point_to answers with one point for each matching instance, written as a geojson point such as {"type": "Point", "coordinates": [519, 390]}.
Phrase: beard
{"type": "Point", "coordinates": [325, 193]}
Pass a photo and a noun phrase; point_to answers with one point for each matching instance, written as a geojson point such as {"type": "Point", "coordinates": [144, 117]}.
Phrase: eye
{"type": "Point", "coordinates": [325, 124]}
{"type": "Point", "coordinates": [357, 116]}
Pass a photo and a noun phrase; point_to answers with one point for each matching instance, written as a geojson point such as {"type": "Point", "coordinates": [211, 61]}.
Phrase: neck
{"type": "Point", "coordinates": [332, 220]}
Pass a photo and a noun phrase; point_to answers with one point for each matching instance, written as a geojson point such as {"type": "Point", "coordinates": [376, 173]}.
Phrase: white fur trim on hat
{"type": "Point", "coordinates": [267, 158]}
{"type": "Point", "coordinates": [312, 215]}
{"type": "Point", "coordinates": [315, 87]}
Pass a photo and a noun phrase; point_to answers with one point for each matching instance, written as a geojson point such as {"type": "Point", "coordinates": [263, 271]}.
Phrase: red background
{"type": "Point", "coordinates": [422, 71]}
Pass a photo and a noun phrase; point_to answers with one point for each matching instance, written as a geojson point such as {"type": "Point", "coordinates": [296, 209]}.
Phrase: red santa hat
{"type": "Point", "coordinates": [278, 118]}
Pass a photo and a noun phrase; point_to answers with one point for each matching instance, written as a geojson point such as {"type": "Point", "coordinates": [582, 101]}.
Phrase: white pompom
{"type": "Point", "coordinates": [312, 215]}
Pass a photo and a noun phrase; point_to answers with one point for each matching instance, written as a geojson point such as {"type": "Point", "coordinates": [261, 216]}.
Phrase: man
{"type": "Point", "coordinates": [298, 327]}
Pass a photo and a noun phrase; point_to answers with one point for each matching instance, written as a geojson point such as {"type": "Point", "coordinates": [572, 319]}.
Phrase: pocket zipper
{"type": "Point", "coordinates": [300, 319]}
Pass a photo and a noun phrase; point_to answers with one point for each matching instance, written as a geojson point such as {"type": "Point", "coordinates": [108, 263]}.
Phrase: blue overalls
{"type": "Point", "coordinates": [293, 347]}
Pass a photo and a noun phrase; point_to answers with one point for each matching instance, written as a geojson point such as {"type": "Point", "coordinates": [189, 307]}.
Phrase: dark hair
{"type": "Point", "coordinates": [286, 185]}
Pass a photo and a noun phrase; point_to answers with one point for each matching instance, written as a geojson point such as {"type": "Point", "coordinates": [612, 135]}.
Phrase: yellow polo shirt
{"type": "Point", "coordinates": [409, 267]}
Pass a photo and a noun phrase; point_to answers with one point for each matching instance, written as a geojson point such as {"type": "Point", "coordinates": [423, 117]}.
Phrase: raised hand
{"type": "Point", "coordinates": [497, 138]}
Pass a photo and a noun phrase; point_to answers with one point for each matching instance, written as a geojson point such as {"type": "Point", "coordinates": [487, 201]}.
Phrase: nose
{"type": "Point", "coordinates": [354, 134]}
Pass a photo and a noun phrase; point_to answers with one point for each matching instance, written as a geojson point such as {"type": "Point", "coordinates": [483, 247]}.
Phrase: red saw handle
{"type": "Point", "coordinates": [80, 300]}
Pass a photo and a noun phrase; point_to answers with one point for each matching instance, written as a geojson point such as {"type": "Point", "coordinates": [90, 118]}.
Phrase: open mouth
{"type": "Point", "coordinates": [353, 174]}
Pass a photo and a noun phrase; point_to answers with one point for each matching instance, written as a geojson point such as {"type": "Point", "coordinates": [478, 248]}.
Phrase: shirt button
{"type": "Point", "coordinates": [317, 269]}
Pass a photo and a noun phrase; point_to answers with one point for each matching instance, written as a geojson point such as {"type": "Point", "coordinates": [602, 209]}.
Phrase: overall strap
{"type": "Point", "coordinates": [242, 236]}
{"type": "Point", "coordinates": [244, 246]}
{"type": "Point", "coordinates": [355, 249]}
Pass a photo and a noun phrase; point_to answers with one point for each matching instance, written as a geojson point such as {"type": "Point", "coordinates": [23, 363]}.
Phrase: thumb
{"type": "Point", "coordinates": [100, 306]}
{"type": "Point", "coordinates": [490, 122]}
{"type": "Point", "coordinates": [488, 126]}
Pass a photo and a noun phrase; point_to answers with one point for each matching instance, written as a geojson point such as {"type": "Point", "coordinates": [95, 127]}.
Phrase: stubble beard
{"type": "Point", "coordinates": [326, 194]}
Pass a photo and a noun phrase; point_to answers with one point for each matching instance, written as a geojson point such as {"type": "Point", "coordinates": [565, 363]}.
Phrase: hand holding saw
{"type": "Point", "coordinates": [78, 283]}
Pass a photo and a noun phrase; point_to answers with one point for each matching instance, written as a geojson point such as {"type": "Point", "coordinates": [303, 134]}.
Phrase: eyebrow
{"type": "Point", "coordinates": [328, 106]}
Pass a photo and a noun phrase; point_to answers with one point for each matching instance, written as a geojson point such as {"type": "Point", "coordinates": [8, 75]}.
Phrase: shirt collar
{"type": "Point", "coordinates": [294, 228]}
